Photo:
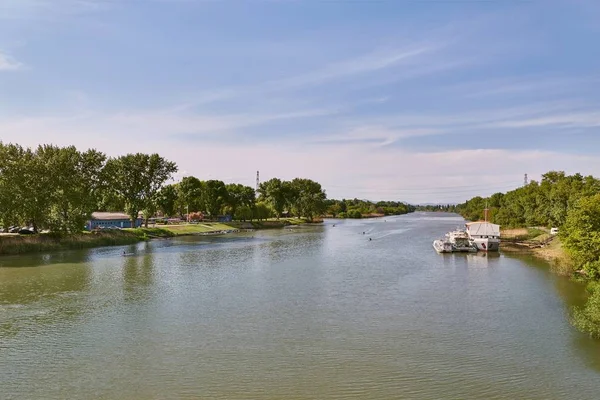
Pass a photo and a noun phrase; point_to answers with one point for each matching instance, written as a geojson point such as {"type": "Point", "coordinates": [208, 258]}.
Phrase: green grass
{"type": "Point", "coordinates": [532, 234]}
{"type": "Point", "coordinates": [203, 227]}
{"type": "Point", "coordinates": [212, 227]}
{"type": "Point", "coordinates": [52, 242]}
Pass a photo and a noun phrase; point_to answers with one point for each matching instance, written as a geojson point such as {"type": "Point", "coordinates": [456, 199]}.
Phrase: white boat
{"type": "Point", "coordinates": [442, 246]}
{"type": "Point", "coordinates": [484, 235]}
{"type": "Point", "coordinates": [460, 241]}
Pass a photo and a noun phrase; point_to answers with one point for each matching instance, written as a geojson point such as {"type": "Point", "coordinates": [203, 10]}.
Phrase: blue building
{"type": "Point", "coordinates": [108, 220]}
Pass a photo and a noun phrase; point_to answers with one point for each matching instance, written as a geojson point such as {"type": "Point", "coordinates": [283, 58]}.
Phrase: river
{"type": "Point", "coordinates": [303, 313]}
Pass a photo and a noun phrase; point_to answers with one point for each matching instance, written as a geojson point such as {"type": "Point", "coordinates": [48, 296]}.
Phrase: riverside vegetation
{"type": "Point", "coordinates": [568, 202]}
{"type": "Point", "coordinates": [56, 189]}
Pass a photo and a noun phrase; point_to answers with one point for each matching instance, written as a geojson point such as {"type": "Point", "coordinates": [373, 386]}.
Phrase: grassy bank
{"type": "Point", "coordinates": [10, 245]}
{"type": "Point", "coordinates": [539, 243]}
{"type": "Point", "coordinates": [22, 244]}
{"type": "Point", "coordinates": [215, 227]}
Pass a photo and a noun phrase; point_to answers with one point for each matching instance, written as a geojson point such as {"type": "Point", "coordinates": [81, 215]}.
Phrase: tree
{"type": "Point", "coordinates": [238, 196]}
{"type": "Point", "coordinates": [343, 206]}
{"type": "Point", "coordinates": [587, 318]}
{"type": "Point", "coordinates": [137, 178]}
{"type": "Point", "coordinates": [11, 180]}
{"type": "Point", "coordinates": [36, 186]}
{"type": "Point", "coordinates": [166, 199]}
{"type": "Point", "coordinates": [276, 193]}
{"type": "Point", "coordinates": [243, 213]}
{"type": "Point", "coordinates": [262, 211]}
{"type": "Point", "coordinates": [309, 198]}
{"type": "Point", "coordinates": [215, 196]}
{"type": "Point", "coordinates": [77, 183]}
{"type": "Point", "coordinates": [581, 234]}
{"type": "Point", "coordinates": [189, 192]}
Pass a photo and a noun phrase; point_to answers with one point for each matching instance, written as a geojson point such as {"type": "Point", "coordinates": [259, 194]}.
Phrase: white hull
{"type": "Point", "coordinates": [465, 249]}
{"type": "Point", "coordinates": [460, 242]}
{"type": "Point", "coordinates": [486, 244]}
{"type": "Point", "coordinates": [442, 246]}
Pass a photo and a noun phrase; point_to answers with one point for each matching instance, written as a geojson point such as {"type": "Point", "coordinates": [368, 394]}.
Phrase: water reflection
{"type": "Point", "coordinates": [42, 259]}
{"type": "Point", "coordinates": [40, 296]}
{"type": "Point", "coordinates": [138, 276]}
{"type": "Point", "coordinates": [308, 313]}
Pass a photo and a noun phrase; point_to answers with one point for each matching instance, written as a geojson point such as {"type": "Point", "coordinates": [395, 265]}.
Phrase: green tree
{"type": "Point", "coordinates": [78, 180]}
{"type": "Point", "coordinates": [587, 318]}
{"type": "Point", "coordinates": [262, 211]}
{"type": "Point", "coordinates": [309, 198]}
{"type": "Point", "coordinates": [36, 187]}
{"type": "Point", "coordinates": [215, 196]}
{"type": "Point", "coordinates": [581, 234]}
{"type": "Point", "coordinates": [137, 178]}
{"type": "Point", "coordinates": [276, 193]}
{"type": "Point", "coordinates": [239, 195]}
{"type": "Point", "coordinates": [11, 182]}
{"type": "Point", "coordinates": [189, 192]}
{"type": "Point", "coordinates": [243, 213]}
{"type": "Point", "coordinates": [166, 199]}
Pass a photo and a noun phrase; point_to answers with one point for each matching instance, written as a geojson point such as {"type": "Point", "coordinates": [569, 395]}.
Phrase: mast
{"type": "Point", "coordinates": [485, 211]}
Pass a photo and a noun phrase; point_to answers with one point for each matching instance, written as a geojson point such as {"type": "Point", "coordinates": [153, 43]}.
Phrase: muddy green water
{"type": "Point", "coordinates": [304, 313]}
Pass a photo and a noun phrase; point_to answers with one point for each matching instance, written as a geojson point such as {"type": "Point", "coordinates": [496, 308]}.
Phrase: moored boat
{"type": "Point", "coordinates": [442, 246]}
{"type": "Point", "coordinates": [460, 241]}
{"type": "Point", "coordinates": [484, 235]}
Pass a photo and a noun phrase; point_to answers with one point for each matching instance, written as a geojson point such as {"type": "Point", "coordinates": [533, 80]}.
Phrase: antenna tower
{"type": "Point", "coordinates": [525, 181]}
{"type": "Point", "coordinates": [257, 180]}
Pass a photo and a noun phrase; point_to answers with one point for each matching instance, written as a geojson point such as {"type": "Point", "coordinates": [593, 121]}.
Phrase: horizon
{"type": "Point", "coordinates": [392, 101]}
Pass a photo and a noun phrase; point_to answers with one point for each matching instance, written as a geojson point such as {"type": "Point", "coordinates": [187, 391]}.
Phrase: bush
{"type": "Point", "coordinates": [587, 318]}
{"type": "Point", "coordinates": [592, 269]}
{"type": "Point", "coordinates": [354, 214]}
{"type": "Point", "coordinates": [581, 233]}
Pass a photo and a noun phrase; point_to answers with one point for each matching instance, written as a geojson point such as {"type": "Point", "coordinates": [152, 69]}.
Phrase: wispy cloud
{"type": "Point", "coordinates": [363, 64]}
{"type": "Point", "coordinates": [377, 136]}
{"type": "Point", "coordinates": [588, 119]}
{"type": "Point", "coordinates": [368, 63]}
{"type": "Point", "coordinates": [8, 63]}
{"type": "Point", "coordinates": [521, 86]}
{"type": "Point", "coordinates": [144, 125]}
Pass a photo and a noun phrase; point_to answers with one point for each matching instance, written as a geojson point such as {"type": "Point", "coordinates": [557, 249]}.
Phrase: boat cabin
{"type": "Point", "coordinates": [483, 230]}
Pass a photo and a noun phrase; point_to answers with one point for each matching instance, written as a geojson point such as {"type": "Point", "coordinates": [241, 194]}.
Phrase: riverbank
{"type": "Point", "coordinates": [539, 243]}
{"type": "Point", "coordinates": [23, 244]}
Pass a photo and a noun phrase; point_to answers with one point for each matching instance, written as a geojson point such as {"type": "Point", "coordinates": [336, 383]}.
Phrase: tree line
{"type": "Point", "coordinates": [58, 188]}
{"type": "Point", "coordinates": [568, 202]}
{"type": "Point", "coordinates": [436, 207]}
{"type": "Point", "coordinates": [299, 197]}
{"type": "Point", "coordinates": [355, 208]}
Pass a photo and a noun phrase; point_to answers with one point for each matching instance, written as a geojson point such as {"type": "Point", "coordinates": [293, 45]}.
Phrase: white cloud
{"type": "Point", "coordinates": [588, 119]}
{"type": "Point", "coordinates": [8, 63]}
{"type": "Point", "coordinates": [375, 135]}
{"type": "Point", "coordinates": [346, 169]}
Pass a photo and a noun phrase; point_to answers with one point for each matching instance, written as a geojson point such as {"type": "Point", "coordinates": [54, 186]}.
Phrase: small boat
{"type": "Point", "coordinates": [442, 246]}
{"type": "Point", "coordinates": [460, 241]}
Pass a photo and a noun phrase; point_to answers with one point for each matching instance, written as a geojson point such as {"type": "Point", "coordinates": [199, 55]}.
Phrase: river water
{"type": "Point", "coordinates": [302, 313]}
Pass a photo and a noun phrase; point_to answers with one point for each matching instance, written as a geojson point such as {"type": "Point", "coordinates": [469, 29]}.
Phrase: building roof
{"type": "Point", "coordinates": [104, 216]}
{"type": "Point", "coordinates": [483, 228]}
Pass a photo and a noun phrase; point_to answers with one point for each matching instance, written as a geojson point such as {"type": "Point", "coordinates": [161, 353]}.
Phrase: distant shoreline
{"type": "Point", "coordinates": [26, 244]}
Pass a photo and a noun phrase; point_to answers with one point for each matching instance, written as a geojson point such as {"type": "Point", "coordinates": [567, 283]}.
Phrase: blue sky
{"type": "Point", "coordinates": [420, 101]}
